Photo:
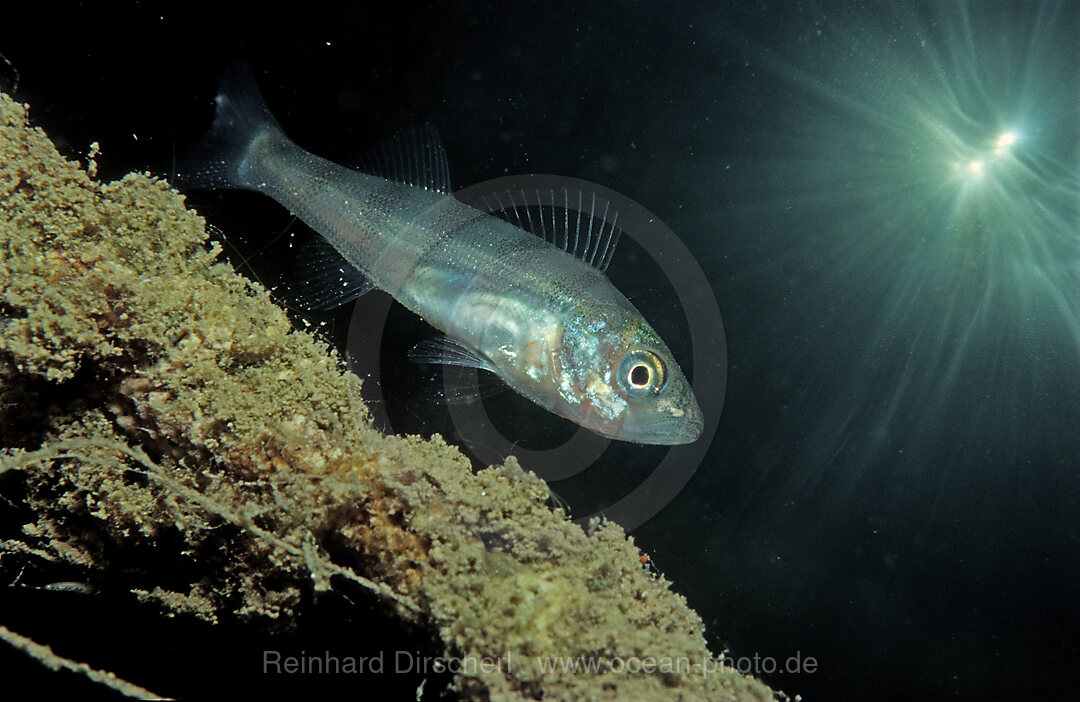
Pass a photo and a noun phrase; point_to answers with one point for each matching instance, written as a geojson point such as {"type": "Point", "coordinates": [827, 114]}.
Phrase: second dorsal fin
{"type": "Point", "coordinates": [414, 156]}
{"type": "Point", "coordinates": [580, 222]}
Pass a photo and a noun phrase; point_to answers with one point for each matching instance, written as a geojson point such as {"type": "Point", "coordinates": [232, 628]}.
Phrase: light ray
{"type": "Point", "coordinates": [921, 178]}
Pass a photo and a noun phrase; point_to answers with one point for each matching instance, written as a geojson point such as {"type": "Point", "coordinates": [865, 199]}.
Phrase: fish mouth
{"type": "Point", "coordinates": [686, 431]}
{"type": "Point", "coordinates": [666, 430]}
{"type": "Point", "coordinates": [680, 425]}
{"type": "Point", "coordinates": [690, 431]}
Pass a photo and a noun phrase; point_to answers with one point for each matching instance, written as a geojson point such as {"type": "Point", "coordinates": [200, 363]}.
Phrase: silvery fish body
{"type": "Point", "coordinates": [546, 322]}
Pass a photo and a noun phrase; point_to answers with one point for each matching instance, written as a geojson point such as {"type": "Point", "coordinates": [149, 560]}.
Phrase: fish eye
{"type": "Point", "coordinates": [639, 376]}
{"type": "Point", "coordinates": [642, 375]}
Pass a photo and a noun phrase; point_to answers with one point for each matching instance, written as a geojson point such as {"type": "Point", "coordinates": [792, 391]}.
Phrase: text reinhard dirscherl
{"type": "Point", "coordinates": [406, 662]}
{"type": "Point", "coordinates": [325, 663]}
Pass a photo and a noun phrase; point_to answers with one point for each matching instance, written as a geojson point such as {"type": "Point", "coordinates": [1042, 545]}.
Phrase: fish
{"type": "Point", "coordinates": [542, 317]}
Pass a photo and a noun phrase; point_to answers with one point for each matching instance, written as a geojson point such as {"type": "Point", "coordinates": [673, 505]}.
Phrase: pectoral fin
{"type": "Point", "coordinates": [454, 384]}
{"type": "Point", "coordinates": [449, 352]}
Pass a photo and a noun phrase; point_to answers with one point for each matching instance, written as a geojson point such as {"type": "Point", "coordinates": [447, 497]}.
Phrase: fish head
{"type": "Point", "coordinates": [616, 377]}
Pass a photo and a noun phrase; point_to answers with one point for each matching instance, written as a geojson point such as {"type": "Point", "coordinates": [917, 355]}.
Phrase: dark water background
{"type": "Point", "coordinates": [893, 489]}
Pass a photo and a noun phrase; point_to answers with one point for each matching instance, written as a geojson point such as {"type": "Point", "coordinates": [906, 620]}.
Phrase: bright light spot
{"type": "Point", "coordinates": [983, 161]}
{"type": "Point", "coordinates": [1004, 142]}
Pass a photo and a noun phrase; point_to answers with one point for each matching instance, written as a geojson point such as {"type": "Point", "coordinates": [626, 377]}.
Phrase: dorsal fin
{"type": "Point", "coordinates": [414, 156]}
{"type": "Point", "coordinates": [580, 222]}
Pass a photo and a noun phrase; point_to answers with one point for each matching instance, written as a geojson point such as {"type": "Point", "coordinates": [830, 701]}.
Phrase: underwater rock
{"type": "Point", "coordinates": [154, 400]}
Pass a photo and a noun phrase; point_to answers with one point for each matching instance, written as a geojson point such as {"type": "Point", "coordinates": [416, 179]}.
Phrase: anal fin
{"type": "Point", "coordinates": [323, 279]}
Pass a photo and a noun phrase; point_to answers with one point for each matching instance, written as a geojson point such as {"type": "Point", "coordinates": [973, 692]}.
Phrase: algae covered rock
{"type": "Point", "coordinates": [152, 400]}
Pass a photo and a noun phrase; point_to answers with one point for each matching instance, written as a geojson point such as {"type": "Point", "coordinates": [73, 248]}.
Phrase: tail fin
{"type": "Point", "coordinates": [240, 117]}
